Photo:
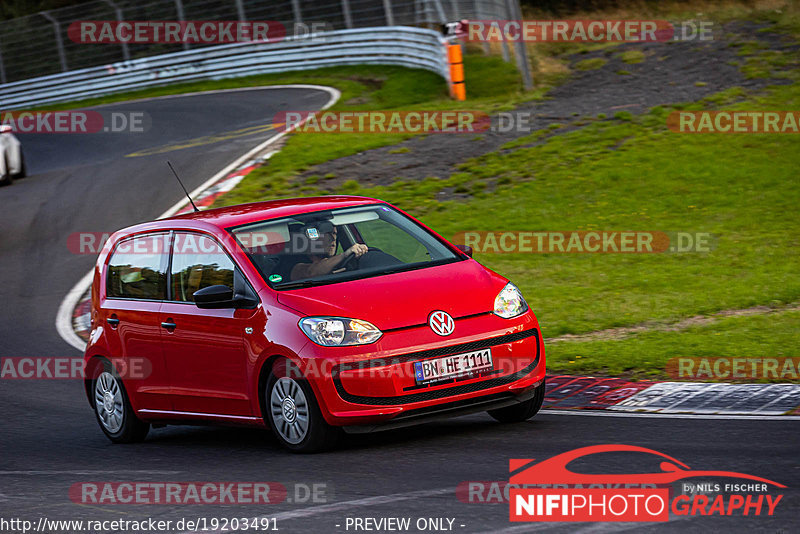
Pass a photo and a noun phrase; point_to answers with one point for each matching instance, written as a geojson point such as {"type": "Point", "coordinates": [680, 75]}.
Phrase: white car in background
{"type": "Point", "coordinates": [12, 163]}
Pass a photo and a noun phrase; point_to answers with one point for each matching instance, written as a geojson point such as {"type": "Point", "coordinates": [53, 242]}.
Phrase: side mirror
{"type": "Point", "coordinates": [214, 297]}
{"type": "Point", "coordinates": [217, 297]}
{"type": "Point", "coordinates": [465, 249]}
{"type": "Point", "coordinates": [5, 128]}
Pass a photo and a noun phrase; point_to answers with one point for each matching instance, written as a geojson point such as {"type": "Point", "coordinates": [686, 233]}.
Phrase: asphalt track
{"type": "Point", "coordinates": [50, 440]}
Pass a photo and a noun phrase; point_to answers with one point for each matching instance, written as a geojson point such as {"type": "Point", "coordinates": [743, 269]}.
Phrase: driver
{"type": "Point", "coordinates": [328, 260]}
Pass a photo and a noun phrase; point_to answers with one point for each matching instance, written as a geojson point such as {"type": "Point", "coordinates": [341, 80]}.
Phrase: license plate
{"type": "Point", "coordinates": [454, 366]}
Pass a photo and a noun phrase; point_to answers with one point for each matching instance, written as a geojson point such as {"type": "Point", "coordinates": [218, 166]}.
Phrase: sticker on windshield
{"type": "Point", "coordinates": [275, 278]}
{"type": "Point", "coordinates": [312, 233]}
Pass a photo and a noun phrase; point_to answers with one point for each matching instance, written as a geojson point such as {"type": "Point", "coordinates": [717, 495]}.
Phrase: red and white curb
{"type": "Point", "coordinates": [622, 396]}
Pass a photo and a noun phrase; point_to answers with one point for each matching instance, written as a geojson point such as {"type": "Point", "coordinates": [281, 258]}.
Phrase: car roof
{"type": "Point", "coordinates": [257, 211]}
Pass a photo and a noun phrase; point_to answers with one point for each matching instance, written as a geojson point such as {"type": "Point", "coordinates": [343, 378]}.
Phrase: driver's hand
{"type": "Point", "coordinates": [358, 250]}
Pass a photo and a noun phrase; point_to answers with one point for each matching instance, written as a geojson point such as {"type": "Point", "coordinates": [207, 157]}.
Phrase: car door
{"type": "Point", "coordinates": [204, 349]}
{"type": "Point", "coordinates": [135, 286]}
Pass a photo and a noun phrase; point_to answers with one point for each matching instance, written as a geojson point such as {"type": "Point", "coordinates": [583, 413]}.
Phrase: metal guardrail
{"type": "Point", "coordinates": [41, 43]}
{"type": "Point", "coordinates": [392, 45]}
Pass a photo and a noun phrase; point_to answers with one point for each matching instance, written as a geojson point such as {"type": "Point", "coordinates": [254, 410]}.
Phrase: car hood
{"type": "Point", "coordinates": [403, 299]}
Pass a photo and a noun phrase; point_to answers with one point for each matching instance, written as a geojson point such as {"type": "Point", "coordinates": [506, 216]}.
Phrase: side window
{"type": "Point", "coordinates": [137, 268]}
{"type": "Point", "coordinates": [197, 262]}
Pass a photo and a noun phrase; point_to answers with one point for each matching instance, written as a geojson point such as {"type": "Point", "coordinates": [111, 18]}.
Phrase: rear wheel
{"type": "Point", "coordinates": [520, 412]}
{"type": "Point", "coordinates": [113, 409]}
{"type": "Point", "coordinates": [293, 413]}
{"type": "Point", "coordinates": [23, 171]}
{"type": "Point", "coordinates": [5, 177]}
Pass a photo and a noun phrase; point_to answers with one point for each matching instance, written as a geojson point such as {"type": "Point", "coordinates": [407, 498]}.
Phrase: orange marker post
{"type": "Point", "coordinates": [457, 88]}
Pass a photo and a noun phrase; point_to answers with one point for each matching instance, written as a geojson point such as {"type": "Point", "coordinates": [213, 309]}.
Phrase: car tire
{"type": "Point", "coordinates": [7, 178]}
{"type": "Point", "coordinates": [112, 408]}
{"type": "Point", "coordinates": [520, 412]}
{"type": "Point", "coordinates": [23, 171]}
{"type": "Point", "coordinates": [293, 413]}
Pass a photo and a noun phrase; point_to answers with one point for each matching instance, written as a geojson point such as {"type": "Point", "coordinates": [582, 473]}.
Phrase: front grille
{"type": "Point", "coordinates": [443, 351]}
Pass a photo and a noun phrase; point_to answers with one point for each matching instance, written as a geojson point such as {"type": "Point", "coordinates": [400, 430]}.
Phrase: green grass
{"type": "Point", "coordinates": [632, 56]}
{"type": "Point", "coordinates": [632, 174]}
{"type": "Point", "coordinates": [590, 64]}
{"type": "Point", "coordinates": [646, 355]}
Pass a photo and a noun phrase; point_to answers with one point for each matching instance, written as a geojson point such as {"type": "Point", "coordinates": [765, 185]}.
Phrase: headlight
{"type": "Point", "coordinates": [338, 331]}
{"type": "Point", "coordinates": [509, 302]}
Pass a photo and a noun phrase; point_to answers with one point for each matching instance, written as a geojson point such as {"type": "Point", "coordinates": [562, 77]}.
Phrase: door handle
{"type": "Point", "coordinates": [168, 325]}
{"type": "Point", "coordinates": [113, 321]}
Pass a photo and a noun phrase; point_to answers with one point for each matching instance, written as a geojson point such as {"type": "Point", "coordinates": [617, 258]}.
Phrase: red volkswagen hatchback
{"type": "Point", "coordinates": [310, 316]}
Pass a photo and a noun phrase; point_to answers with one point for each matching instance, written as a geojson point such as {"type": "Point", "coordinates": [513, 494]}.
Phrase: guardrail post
{"type": "Point", "coordinates": [479, 14]}
{"type": "Point", "coordinates": [454, 10]}
{"type": "Point", "coordinates": [387, 7]}
{"type": "Point", "coordinates": [440, 11]}
{"type": "Point", "coordinates": [503, 43]}
{"type": "Point", "coordinates": [514, 13]}
{"type": "Point", "coordinates": [181, 17]}
{"type": "Point", "coordinates": [126, 55]}
{"type": "Point", "coordinates": [298, 17]}
{"type": "Point", "coordinates": [348, 17]}
{"type": "Point", "coordinates": [59, 43]}
{"type": "Point", "coordinates": [2, 69]}
{"type": "Point", "coordinates": [240, 11]}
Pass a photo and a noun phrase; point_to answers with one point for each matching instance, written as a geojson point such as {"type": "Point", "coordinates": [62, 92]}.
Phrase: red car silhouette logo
{"type": "Point", "coordinates": [554, 470]}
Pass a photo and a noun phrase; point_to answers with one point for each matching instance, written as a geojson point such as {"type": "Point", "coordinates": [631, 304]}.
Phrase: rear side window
{"type": "Point", "coordinates": [138, 268]}
{"type": "Point", "coordinates": [197, 262]}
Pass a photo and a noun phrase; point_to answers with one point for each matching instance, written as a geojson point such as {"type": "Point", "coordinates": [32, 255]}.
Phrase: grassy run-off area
{"type": "Point", "coordinates": [632, 174]}
{"type": "Point", "coordinates": [620, 173]}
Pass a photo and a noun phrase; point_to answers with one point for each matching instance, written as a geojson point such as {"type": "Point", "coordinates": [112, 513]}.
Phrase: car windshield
{"type": "Point", "coordinates": [332, 246]}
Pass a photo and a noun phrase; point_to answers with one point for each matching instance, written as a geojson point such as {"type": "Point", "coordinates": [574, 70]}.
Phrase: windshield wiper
{"type": "Point", "coordinates": [410, 266]}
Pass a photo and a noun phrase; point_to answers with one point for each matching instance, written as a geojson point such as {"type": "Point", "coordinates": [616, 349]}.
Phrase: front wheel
{"type": "Point", "coordinates": [294, 415]}
{"type": "Point", "coordinates": [113, 409]}
{"type": "Point", "coordinates": [520, 412]}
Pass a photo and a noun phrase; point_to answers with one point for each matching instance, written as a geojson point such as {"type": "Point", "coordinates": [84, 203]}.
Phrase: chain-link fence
{"type": "Point", "coordinates": [38, 45]}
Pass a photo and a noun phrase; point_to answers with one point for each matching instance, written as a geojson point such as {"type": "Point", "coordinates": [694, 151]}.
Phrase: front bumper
{"type": "Point", "coordinates": [377, 387]}
{"type": "Point", "coordinates": [445, 411]}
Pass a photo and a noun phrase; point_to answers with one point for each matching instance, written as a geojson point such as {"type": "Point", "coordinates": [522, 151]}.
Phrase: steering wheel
{"type": "Point", "coordinates": [349, 262]}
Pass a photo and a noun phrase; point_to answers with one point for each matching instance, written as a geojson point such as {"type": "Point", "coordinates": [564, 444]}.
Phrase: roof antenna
{"type": "Point", "coordinates": [182, 187]}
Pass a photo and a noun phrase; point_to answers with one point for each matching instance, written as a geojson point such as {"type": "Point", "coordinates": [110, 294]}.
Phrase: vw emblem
{"type": "Point", "coordinates": [441, 323]}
